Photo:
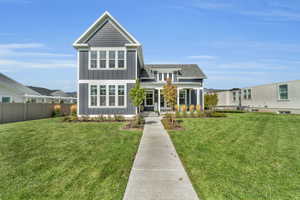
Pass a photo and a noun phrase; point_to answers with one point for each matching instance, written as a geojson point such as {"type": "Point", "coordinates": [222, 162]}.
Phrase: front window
{"type": "Point", "coordinates": [102, 95]}
{"type": "Point", "coordinates": [149, 98]}
{"type": "Point", "coordinates": [234, 96]}
{"type": "Point", "coordinates": [182, 97]}
{"type": "Point", "coordinates": [283, 92]}
{"type": "Point", "coordinates": [6, 99]}
{"type": "Point", "coordinates": [93, 95]}
{"type": "Point", "coordinates": [107, 95]}
{"type": "Point", "coordinates": [93, 59]}
{"type": "Point", "coordinates": [121, 95]}
{"type": "Point", "coordinates": [112, 95]}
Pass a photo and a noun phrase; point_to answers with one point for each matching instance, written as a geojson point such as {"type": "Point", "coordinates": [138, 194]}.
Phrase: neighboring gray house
{"type": "Point", "coordinates": [110, 60]}
{"type": "Point", "coordinates": [283, 97]}
{"type": "Point", "coordinates": [13, 92]}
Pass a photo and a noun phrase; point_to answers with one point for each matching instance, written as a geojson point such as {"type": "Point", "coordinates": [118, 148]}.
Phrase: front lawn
{"type": "Point", "coordinates": [48, 159]}
{"type": "Point", "coordinates": [244, 156]}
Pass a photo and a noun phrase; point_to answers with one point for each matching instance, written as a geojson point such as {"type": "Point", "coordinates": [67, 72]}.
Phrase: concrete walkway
{"type": "Point", "coordinates": [157, 172]}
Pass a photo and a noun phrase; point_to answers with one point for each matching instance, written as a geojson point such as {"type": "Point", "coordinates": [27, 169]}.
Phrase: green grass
{"type": "Point", "coordinates": [244, 156]}
{"type": "Point", "coordinates": [48, 159]}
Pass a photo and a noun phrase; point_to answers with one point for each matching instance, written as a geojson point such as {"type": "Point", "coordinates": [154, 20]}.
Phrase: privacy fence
{"type": "Point", "coordinates": [14, 112]}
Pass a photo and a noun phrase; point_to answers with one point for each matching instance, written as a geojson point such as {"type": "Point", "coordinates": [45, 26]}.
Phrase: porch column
{"type": "Point", "coordinates": [158, 106]}
{"type": "Point", "coordinates": [178, 97]}
{"type": "Point", "coordinates": [190, 96]}
{"type": "Point", "coordinates": [198, 96]}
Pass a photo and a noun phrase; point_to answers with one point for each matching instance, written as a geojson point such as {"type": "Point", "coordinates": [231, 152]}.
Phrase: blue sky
{"type": "Point", "coordinates": [237, 43]}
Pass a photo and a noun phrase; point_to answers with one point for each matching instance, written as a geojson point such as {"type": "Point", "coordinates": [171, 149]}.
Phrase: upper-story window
{"type": "Point", "coordinates": [107, 58]}
{"type": "Point", "coordinates": [103, 59]}
{"type": "Point", "coordinates": [93, 61]}
{"type": "Point", "coordinates": [121, 59]}
{"type": "Point", "coordinates": [283, 92]}
{"type": "Point", "coordinates": [164, 76]}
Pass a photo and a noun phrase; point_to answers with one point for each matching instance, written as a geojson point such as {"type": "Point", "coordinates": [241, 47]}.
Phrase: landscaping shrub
{"type": "Point", "coordinates": [192, 108]}
{"type": "Point", "coordinates": [137, 122]}
{"type": "Point", "coordinates": [57, 111]}
{"type": "Point", "coordinates": [70, 118]}
{"type": "Point", "coordinates": [168, 124]}
{"type": "Point", "coordinates": [73, 109]}
{"type": "Point", "coordinates": [198, 108]}
{"type": "Point", "coordinates": [119, 118]}
{"type": "Point", "coordinates": [183, 108]}
{"type": "Point", "coordinates": [176, 107]}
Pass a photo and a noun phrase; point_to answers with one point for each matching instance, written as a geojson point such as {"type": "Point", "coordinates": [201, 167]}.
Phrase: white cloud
{"type": "Point", "coordinates": [7, 64]}
{"type": "Point", "coordinates": [32, 55]}
{"type": "Point", "coordinates": [21, 46]}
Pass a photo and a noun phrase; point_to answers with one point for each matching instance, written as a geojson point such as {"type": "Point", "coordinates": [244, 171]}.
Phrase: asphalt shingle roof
{"type": "Point", "coordinates": [15, 87]}
{"type": "Point", "coordinates": [186, 70]}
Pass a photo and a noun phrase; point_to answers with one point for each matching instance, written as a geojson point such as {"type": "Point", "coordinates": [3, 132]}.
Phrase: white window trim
{"type": "Point", "coordinates": [279, 98]}
{"type": "Point", "coordinates": [107, 95]}
{"type": "Point", "coordinates": [153, 99]}
{"type": "Point", "coordinates": [116, 49]}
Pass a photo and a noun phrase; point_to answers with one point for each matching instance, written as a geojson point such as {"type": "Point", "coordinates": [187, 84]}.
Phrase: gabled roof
{"type": "Point", "coordinates": [81, 41]}
{"type": "Point", "coordinates": [42, 91]}
{"type": "Point", "coordinates": [13, 86]}
{"type": "Point", "coordinates": [191, 71]}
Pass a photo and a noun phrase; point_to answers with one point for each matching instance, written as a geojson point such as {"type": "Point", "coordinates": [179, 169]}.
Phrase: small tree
{"type": "Point", "coordinates": [170, 94]}
{"type": "Point", "coordinates": [211, 100]}
{"type": "Point", "coordinates": [137, 95]}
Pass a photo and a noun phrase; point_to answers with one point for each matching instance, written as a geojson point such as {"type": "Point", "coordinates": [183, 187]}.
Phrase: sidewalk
{"type": "Point", "coordinates": [157, 172]}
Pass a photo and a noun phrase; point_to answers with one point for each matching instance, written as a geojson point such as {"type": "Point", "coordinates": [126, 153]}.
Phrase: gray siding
{"type": "Point", "coordinates": [107, 36]}
{"type": "Point", "coordinates": [85, 110]}
{"type": "Point", "coordinates": [127, 74]}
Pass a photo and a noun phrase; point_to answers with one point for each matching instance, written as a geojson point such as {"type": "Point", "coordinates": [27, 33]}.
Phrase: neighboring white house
{"type": "Point", "coordinates": [278, 97]}
{"type": "Point", "coordinates": [13, 92]}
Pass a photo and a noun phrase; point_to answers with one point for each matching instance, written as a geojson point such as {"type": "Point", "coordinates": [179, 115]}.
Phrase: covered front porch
{"type": "Point", "coordinates": [185, 96]}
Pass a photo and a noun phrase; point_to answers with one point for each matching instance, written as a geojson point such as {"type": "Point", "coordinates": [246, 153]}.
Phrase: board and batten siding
{"type": "Point", "coordinates": [111, 74]}
{"type": "Point", "coordinates": [107, 36]}
{"type": "Point", "coordinates": [85, 110]}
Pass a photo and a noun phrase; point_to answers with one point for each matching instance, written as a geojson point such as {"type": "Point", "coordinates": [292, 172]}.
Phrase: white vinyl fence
{"type": "Point", "coordinates": [14, 112]}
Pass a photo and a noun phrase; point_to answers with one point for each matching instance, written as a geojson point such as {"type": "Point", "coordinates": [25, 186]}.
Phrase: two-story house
{"type": "Point", "coordinates": [110, 60]}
